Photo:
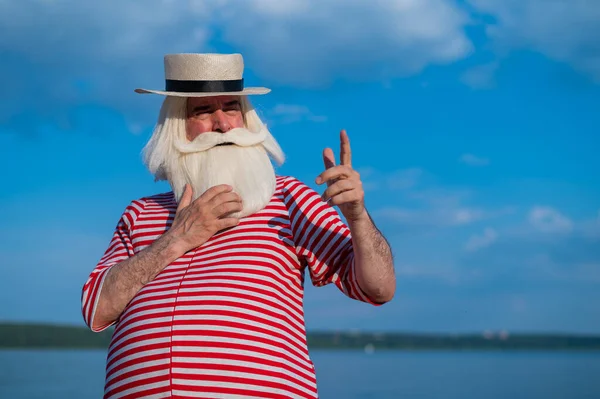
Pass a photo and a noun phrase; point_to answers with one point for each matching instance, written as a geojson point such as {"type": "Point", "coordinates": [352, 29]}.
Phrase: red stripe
{"type": "Point", "coordinates": [239, 380]}
{"type": "Point", "coordinates": [136, 384]}
{"type": "Point", "coordinates": [249, 393]}
{"type": "Point", "coordinates": [269, 284]}
{"type": "Point", "coordinates": [285, 356]}
{"type": "Point", "coordinates": [241, 369]}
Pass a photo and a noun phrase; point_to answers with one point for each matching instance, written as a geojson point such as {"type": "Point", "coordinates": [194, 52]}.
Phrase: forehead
{"type": "Point", "coordinates": [193, 102]}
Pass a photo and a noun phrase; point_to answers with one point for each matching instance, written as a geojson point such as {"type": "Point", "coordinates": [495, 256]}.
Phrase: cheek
{"type": "Point", "coordinates": [237, 121]}
{"type": "Point", "coordinates": [196, 127]}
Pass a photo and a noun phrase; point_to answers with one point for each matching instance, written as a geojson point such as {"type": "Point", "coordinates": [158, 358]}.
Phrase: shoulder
{"type": "Point", "coordinates": [290, 185]}
{"type": "Point", "coordinates": [162, 200]}
{"type": "Point", "coordinates": [297, 194]}
{"type": "Point", "coordinates": [157, 202]}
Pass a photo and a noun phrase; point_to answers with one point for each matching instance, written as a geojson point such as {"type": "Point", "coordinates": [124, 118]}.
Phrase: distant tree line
{"type": "Point", "coordinates": [52, 336]}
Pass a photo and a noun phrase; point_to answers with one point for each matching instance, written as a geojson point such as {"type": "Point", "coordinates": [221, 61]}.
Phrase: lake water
{"type": "Point", "coordinates": [49, 374]}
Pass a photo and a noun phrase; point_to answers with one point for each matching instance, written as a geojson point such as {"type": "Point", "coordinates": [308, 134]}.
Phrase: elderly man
{"type": "Point", "coordinates": [205, 283]}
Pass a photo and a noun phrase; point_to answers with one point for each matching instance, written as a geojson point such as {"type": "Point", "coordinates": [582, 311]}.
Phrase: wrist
{"type": "Point", "coordinates": [172, 245]}
{"type": "Point", "coordinates": [362, 218]}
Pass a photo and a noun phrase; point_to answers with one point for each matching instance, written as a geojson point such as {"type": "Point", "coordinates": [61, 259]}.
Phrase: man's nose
{"type": "Point", "coordinates": [220, 123]}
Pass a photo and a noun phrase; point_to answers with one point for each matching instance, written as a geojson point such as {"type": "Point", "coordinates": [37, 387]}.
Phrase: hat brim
{"type": "Point", "coordinates": [246, 92]}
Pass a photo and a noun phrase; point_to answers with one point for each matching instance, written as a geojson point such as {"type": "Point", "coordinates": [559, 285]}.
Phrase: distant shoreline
{"type": "Point", "coordinates": [48, 336]}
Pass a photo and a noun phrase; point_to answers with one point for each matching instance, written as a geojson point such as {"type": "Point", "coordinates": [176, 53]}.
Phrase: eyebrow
{"type": "Point", "coordinates": [202, 108]}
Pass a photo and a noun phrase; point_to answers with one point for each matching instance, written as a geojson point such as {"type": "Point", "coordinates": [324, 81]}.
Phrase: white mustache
{"type": "Point", "coordinates": [205, 141]}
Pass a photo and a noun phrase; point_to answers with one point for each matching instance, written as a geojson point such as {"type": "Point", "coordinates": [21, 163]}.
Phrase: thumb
{"type": "Point", "coordinates": [328, 158]}
{"type": "Point", "coordinates": [186, 198]}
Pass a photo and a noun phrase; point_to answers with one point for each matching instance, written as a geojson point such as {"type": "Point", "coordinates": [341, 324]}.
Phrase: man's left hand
{"type": "Point", "coordinates": [344, 187]}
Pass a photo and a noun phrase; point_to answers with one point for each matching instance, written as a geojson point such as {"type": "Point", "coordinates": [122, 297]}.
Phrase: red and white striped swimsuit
{"type": "Point", "coordinates": [225, 319]}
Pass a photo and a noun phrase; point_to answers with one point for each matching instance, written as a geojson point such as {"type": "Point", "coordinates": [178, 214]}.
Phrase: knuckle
{"type": "Point", "coordinates": [222, 208]}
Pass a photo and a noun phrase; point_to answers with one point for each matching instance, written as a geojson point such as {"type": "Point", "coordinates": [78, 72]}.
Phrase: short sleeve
{"type": "Point", "coordinates": [119, 249]}
{"type": "Point", "coordinates": [323, 242]}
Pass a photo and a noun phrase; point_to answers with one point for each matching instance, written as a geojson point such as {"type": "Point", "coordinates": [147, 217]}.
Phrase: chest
{"type": "Point", "coordinates": [262, 244]}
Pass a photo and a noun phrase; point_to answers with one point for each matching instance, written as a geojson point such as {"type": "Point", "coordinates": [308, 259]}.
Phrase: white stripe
{"type": "Point", "coordinates": [273, 251]}
{"type": "Point", "coordinates": [137, 356]}
{"type": "Point", "coordinates": [249, 244]}
{"type": "Point", "coordinates": [147, 293]}
{"type": "Point", "coordinates": [238, 263]}
{"type": "Point", "coordinates": [233, 375]}
{"type": "Point", "coordinates": [303, 359]}
{"type": "Point", "coordinates": [181, 304]}
{"type": "Point", "coordinates": [152, 374]}
{"type": "Point", "coordinates": [252, 317]}
{"type": "Point", "coordinates": [138, 344]}
{"type": "Point", "coordinates": [94, 302]}
{"type": "Point", "coordinates": [286, 300]}
{"type": "Point", "coordinates": [237, 363]}
{"type": "Point", "coordinates": [147, 300]}
{"type": "Point", "coordinates": [139, 366]}
{"type": "Point", "coordinates": [246, 230]}
{"type": "Point", "coordinates": [241, 341]}
{"type": "Point", "coordinates": [141, 388]}
{"type": "Point", "coordinates": [166, 394]}
{"type": "Point", "coordinates": [192, 394]}
{"type": "Point", "coordinates": [142, 321]}
{"type": "Point", "coordinates": [240, 352]}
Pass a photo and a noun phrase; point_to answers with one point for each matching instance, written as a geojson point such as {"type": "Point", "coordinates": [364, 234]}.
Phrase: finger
{"type": "Point", "coordinates": [213, 191]}
{"type": "Point", "coordinates": [186, 197]}
{"type": "Point", "coordinates": [345, 152]}
{"type": "Point", "coordinates": [328, 158]}
{"type": "Point", "coordinates": [222, 198]}
{"type": "Point", "coordinates": [345, 197]}
{"type": "Point", "coordinates": [225, 209]}
{"type": "Point", "coordinates": [337, 172]}
{"type": "Point", "coordinates": [339, 187]}
{"type": "Point", "coordinates": [226, 223]}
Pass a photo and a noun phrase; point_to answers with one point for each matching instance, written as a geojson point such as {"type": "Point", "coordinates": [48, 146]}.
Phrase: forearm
{"type": "Point", "coordinates": [373, 262]}
{"type": "Point", "coordinates": [125, 279]}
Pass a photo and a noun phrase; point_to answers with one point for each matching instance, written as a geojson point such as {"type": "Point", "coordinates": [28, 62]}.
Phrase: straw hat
{"type": "Point", "coordinates": [204, 75]}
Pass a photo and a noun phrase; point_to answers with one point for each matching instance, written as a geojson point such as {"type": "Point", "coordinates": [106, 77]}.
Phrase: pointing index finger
{"type": "Point", "coordinates": [345, 152]}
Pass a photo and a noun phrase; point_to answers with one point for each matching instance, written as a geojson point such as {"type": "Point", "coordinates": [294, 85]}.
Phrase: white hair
{"type": "Point", "coordinates": [171, 129]}
{"type": "Point", "coordinates": [203, 163]}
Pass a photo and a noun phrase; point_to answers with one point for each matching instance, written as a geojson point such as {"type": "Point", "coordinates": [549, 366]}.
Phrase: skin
{"type": "Point", "coordinates": [197, 221]}
{"type": "Point", "coordinates": [373, 259]}
{"type": "Point", "coordinates": [212, 114]}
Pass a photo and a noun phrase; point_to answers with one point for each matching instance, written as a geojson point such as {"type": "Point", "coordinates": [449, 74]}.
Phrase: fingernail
{"type": "Point", "coordinates": [318, 180]}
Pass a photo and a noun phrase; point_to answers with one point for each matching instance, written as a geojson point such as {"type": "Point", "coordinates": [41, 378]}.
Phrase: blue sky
{"type": "Point", "coordinates": [474, 124]}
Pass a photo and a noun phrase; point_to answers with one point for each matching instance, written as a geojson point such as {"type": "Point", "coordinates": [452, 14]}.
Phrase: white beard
{"type": "Point", "coordinates": [245, 166]}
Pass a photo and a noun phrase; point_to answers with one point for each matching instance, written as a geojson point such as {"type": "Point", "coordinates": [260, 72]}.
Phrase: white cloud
{"type": "Point", "coordinates": [432, 217]}
{"type": "Point", "coordinates": [290, 113]}
{"type": "Point", "coordinates": [370, 41]}
{"type": "Point", "coordinates": [549, 220]}
{"type": "Point", "coordinates": [74, 54]}
{"type": "Point", "coordinates": [424, 202]}
{"type": "Point", "coordinates": [472, 160]}
{"type": "Point", "coordinates": [591, 228]}
{"type": "Point", "coordinates": [71, 53]}
{"type": "Point", "coordinates": [486, 239]}
{"type": "Point", "coordinates": [480, 76]}
{"type": "Point", "coordinates": [567, 31]}
{"type": "Point", "coordinates": [402, 179]}
{"type": "Point", "coordinates": [65, 55]}
{"type": "Point", "coordinates": [430, 272]}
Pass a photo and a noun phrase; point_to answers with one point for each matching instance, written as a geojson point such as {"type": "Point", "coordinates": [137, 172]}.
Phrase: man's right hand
{"type": "Point", "coordinates": [197, 221]}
